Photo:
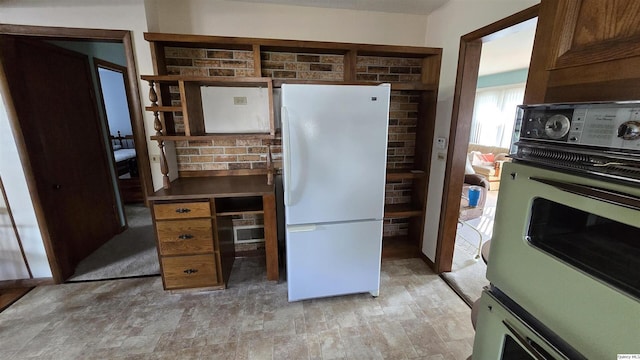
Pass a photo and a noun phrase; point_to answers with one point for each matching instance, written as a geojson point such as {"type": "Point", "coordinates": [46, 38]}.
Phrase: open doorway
{"type": "Point", "coordinates": [116, 104]}
{"type": "Point", "coordinates": [490, 48]}
{"type": "Point", "coordinates": [132, 252]}
{"type": "Point", "coordinates": [62, 253]}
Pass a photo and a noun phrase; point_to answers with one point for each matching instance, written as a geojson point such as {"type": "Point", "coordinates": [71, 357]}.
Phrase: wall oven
{"type": "Point", "coordinates": [565, 250]}
{"type": "Point", "coordinates": [506, 331]}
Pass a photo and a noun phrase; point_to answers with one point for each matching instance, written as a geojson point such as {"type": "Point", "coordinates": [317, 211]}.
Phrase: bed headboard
{"type": "Point", "coordinates": [122, 142]}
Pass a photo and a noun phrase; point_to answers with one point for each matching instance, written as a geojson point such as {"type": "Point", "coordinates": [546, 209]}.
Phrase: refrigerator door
{"type": "Point", "coordinates": [335, 150]}
{"type": "Point", "coordinates": [333, 259]}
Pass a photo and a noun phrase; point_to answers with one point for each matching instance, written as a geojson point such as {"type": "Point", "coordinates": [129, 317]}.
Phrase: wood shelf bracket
{"type": "Point", "coordinates": [164, 167]}
{"type": "Point", "coordinates": [270, 168]}
{"type": "Point", "coordinates": [153, 97]}
{"type": "Point", "coordinates": [157, 126]}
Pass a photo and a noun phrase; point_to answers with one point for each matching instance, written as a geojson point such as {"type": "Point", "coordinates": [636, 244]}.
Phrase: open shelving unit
{"type": "Point", "coordinates": [413, 73]}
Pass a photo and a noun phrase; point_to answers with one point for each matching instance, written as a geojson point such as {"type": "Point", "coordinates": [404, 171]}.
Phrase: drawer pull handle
{"type": "Point", "coordinates": [185, 236]}
{"type": "Point", "coordinates": [183, 210]}
{"type": "Point", "coordinates": [190, 271]}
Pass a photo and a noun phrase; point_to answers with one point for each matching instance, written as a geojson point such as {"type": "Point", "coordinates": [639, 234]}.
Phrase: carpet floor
{"type": "Point", "coordinates": [131, 253]}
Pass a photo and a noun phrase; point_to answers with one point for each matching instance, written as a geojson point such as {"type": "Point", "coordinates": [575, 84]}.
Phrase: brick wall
{"type": "Point", "coordinates": [251, 154]}
{"type": "Point", "coordinates": [397, 192]}
{"type": "Point", "coordinates": [204, 62]}
{"type": "Point", "coordinates": [395, 227]}
{"type": "Point", "coordinates": [281, 65]}
{"type": "Point", "coordinates": [388, 69]}
{"type": "Point", "coordinates": [403, 119]}
{"type": "Point", "coordinates": [224, 154]}
{"type": "Point", "coordinates": [209, 62]}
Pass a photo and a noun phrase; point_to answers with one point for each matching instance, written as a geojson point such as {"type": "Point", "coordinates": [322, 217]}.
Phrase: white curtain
{"type": "Point", "coordinates": [494, 114]}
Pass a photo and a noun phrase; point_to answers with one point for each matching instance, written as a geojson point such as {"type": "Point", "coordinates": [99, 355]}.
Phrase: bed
{"type": "Point", "coordinates": [124, 154]}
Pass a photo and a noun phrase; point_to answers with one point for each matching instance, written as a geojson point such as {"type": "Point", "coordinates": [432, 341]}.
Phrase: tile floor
{"type": "Point", "coordinates": [416, 316]}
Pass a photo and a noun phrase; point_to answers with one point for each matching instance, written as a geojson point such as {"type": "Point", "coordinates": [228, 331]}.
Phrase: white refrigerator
{"type": "Point", "coordinates": [334, 143]}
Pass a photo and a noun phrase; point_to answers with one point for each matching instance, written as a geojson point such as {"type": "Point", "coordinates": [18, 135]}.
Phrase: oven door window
{"type": "Point", "coordinates": [511, 350]}
{"type": "Point", "coordinates": [601, 247]}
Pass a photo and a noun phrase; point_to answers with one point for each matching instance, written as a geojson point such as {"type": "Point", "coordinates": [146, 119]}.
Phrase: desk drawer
{"type": "Point", "coordinates": [181, 210]}
{"type": "Point", "coordinates": [189, 271]}
{"type": "Point", "coordinates": [185, 236]}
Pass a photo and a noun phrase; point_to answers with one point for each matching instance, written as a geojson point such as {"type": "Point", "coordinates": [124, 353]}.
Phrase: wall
{"type": "Point", "coordinates": [192, 16]}
{"type": "Point", "coordinates": [12, 265]}
{"type": "Point", "coordinates": [221, 18]}
{"type": "Point", "coordinates": [445, 26]}
{"type": "Point", "coordinates": [230, 18]}
{"type": "Point", "coordinates": [443, 29]}
{"type": "Point", "coordinates": [503, 78]}
{"type": "Point", "coordinates": [117, 15]}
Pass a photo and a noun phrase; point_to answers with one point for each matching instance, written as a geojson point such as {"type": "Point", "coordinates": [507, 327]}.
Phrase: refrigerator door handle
{"type": "Point", "coordinates": [302, 228]}
{"type": "Point", "coordinates": [287, 154]}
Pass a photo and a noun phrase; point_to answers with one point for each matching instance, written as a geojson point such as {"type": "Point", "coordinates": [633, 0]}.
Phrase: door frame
{"type": "Point", "coordinates": [462, 114]}
{"type": "Point", "coordinates": [133, 92]}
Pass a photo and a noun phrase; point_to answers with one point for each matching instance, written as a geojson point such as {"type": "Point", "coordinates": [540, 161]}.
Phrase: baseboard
{"type": "Point", "coordinates": [17, 283]}
{"type": "Point", "coordinates": [431, 264]}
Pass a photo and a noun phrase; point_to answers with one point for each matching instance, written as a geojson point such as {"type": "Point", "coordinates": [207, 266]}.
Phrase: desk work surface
{"type": "Point", "coordinates": [215, 186]}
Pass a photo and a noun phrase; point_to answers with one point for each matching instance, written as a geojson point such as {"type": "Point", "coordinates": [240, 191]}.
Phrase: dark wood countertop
{"type": "Point", "coordinates": [214, 187]}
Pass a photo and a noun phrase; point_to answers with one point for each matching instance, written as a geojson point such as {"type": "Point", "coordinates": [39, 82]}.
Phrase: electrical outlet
{"type": "Point", "coordinates": [155, 158]}
{"type": "Point", "coordinates": [239, 100]}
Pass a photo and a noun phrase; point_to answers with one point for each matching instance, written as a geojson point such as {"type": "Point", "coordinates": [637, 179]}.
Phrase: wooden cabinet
{"type": "Point", "coordinates": [192, 251]}
{"type": "Point", "coordinates": [184, 62]}
{"type": "Point", "coordinates": [585, 50]}
{"type": "Point", "coordinates": [186, 236]}
{"type": "Point", "coordinates": [194, 230]}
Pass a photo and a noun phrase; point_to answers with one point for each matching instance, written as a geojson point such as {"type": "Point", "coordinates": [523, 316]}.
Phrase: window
{"type": "Point", "coordinates": [494, 115]}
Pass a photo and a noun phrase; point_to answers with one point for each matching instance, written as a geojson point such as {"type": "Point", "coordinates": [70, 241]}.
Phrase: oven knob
{"type": "Point", "coordinates": [629, 130]}
{"type": "Point", "coordinates": [557, 126]}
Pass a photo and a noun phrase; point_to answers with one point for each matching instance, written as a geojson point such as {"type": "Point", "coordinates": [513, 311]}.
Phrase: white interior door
{"type": "Point", "coordinates": [335, 144]}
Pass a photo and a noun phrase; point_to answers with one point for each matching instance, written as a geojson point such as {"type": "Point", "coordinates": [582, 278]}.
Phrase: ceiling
{"type": "Point", "coordinates": [510, 52]}
{"type": "Point", "coordinates": [416, 7]}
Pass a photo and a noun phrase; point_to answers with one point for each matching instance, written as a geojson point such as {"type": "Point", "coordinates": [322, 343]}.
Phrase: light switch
{"type": "Point", "coordinates": [239, 100]}
{"type": "Point", "coordinates": [441, 143]}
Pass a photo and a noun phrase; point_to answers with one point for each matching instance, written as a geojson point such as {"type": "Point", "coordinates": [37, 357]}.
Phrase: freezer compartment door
{"type": "Point", "coordinates": [334, 149]}
{"type": "Point", "coordinates": [335, 259]}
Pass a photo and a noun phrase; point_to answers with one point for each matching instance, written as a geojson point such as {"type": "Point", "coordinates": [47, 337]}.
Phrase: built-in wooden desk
{"type": "Point", "coordinates": [196, 210]}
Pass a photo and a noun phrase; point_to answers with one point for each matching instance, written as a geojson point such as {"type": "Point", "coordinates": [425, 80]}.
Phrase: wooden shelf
{"type": "Point", "coordinates": [163, 108]}
{"type": "Point", "coordinates": [394, 85]}
{"type": "Point", "coordinates": [244, 136]}
{"type": "Point", "coordinates": [395, 175]}
{"type": "Point", "coordinates": [238, 206]}
{"type": "Point", "coordinates": [400, 211]}
{"type": "Point", "coordinates": [399, 247]}
{"type": "Point", "coordinates": [210, 80]}
{"type": "Point", "coordinates": [291, 45]}
{"type": "Point", "coordinates": [230, 213]}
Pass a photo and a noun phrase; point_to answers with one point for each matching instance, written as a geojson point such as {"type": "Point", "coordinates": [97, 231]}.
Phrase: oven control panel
{"type": "Point", "coordinates": [606, 125]}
